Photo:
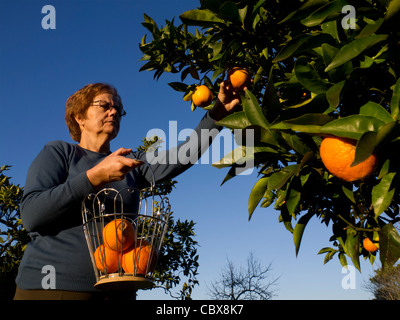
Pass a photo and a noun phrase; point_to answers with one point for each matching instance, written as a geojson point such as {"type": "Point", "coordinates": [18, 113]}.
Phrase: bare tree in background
{"type": "Point", "coordinates": [252, 283]}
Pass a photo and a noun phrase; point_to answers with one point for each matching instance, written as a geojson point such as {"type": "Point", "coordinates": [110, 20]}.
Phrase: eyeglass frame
{"type": "Point", "coordinates": [107, 106]}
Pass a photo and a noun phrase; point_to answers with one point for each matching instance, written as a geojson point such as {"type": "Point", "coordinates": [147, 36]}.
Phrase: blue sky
{"type": "Point", "coordinates": [98, 41]}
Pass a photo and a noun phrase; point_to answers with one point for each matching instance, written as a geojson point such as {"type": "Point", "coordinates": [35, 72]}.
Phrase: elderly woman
{"type": "Point", "coordinates": [64, 173]}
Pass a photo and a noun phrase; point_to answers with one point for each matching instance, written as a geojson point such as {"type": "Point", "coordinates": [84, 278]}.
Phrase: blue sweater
{"type": "Point", "coordinates": [51, 207]}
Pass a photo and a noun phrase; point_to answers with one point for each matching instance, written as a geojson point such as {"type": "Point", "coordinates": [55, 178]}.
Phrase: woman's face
{"type": "Point", "coordinates": [102, 118]}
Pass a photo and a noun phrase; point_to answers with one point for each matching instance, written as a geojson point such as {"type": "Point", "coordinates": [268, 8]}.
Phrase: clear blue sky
{"type": "Point", "coordinates": [97, 40]}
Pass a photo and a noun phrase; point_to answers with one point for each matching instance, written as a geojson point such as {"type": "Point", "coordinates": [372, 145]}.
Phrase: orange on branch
{"type": "Point", "coordinates": [369, 245]}
{"type": "Point", "coordinates": [337, 154]}
{"type": "Point", "coordinates": [106, 259]}
{"type": "Point", "coordinates": [239, 78]}
{"type": "Point", "coordinates": [202, 97]}
{"type": "Point", "coordinates": [118, 234]}
{"type": "Point", "coordinates": [141, 259]}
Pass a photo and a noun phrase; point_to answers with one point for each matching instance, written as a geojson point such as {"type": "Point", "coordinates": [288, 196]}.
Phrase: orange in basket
{"type": "Point", "coordinates": [106, 259]}
{"type": "Point", "coordinates": [119, 234]}
{"type": "Point", "coordinates": [139, 257]}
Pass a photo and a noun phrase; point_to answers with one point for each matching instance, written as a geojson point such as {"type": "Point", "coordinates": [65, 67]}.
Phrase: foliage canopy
{"type": "Point", "coordinates": [320, 68]}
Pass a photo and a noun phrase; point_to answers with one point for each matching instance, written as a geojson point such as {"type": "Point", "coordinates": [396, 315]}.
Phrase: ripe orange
{"type": "Point", "coordinates": [239, 78]}
{"type": "Point", "coordinates": [369, 245]}
{"type": "Point", "coordinates": [202, 97]}
{"type": "Point", "coordinates": [106, 259]}
{"type": "Point", "coordinates": [118, 234]}
{"type": "Point", "coordinates": [338, 154]}
{"type": "Point", "coordinates": [140, 259]}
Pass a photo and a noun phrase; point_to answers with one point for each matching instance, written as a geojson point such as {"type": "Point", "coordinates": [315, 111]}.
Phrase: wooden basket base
{"type": "Point", "coordinates": [115, 281]}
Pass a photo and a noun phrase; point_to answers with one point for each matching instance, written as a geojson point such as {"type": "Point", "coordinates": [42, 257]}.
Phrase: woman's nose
{"type": "Point", "coordinates": [113, 110]}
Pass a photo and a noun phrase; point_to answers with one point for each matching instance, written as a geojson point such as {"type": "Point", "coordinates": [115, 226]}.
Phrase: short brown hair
{"type": "Point", "coordinates": [79, 102]}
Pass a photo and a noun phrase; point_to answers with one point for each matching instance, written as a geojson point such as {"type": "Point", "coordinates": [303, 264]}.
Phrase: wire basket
{"type": "Point", "coordinates": [124, 247]}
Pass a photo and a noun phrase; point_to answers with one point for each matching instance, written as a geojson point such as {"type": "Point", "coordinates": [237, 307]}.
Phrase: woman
{"type": "Point", "coordinates": [63, 174]}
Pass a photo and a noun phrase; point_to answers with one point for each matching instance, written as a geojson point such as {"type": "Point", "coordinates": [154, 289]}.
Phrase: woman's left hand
{"type": "Point", "coordinates": [227, 100]}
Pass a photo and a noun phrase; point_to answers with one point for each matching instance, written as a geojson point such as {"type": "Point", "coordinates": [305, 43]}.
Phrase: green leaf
{"type": "Point", "coordinates": [333, 94]}
{"type": "Point", "coordinates": [331, 10]}
{"type": "Point", "coordinates": [353, 126]}
{"type": "Point", "coordinates": [237, 120]}
{"type": "Point", "coordinates": [366, 63]}
{"type": "Point", "coordinates": [149, 66]}
{"type": "Point", "coordinates": [150, 24]}
{"type": "Point", "coordinates": [231, 174]}
{"type": "Point", "coordinates": [395, 102]}
{"type": "Point", "coordinates": [199, 17]}
{"type": "Point", "coordinates": [242, 155]}
{"type": "Point", "coordinates": [382, 195]}
{"type": "Point", "coordinates": [330, 252]}
{"type": "Point", "coordinates": [343, 260]}
{"type": "Point", "coordinates": [293, 196]}
{"type": "Point", "coordinates": [389, 246]}
{"type": "Point", "coordinates": [253, 111]}
{"type": "Point", "coordinates": [302, 43]}
{"type": "Point", "coordinates": [349, 194]}
{"type": "Point", "coordinates": [329, 53]}
{"type": "Point", "coordinates": [353, 49]}
{"type": "Point", "coordinates": [304, 11]}
{"type": "Point", "coordinates": [256, 194]}
{"type": "Point", "coordinates": [271, 106]}
{"type": "Point", "coordinates": [393, 9]}
{"type": "Point", "coordinates": [370, 28]}
{"type": "Point", "coordinates": [365, 147]}
{"type": "Point", "coordinates": [331, 28]}
{"type": "Point", "coordinates": [308, 77]}
{"type": "Point", "coordinates": [295, 142]}
{"type": "Point", "coordinates": [266, 136]}
{"type": "Point", "coordinates": [299, 230]}
{"type": "Point", "coordinates": [385, 133]}
{"type": "Point", "coordinates": [325, 250]}
{"type": "Point", "coordinates": [207, 82]}
{"type": "Point", "coordinates": [286, 218]}
{"type": "Point", "coordinates": [370, 140]}
{"type": "Point", "coordinates": [316, 104]}
{"type": "Point", "coordinates": [373, 109]}
{"type": "Point", "coordinates": [384, 169]}
{"type": "Point", "coordinates": [278, 179]}
{"type": "Point", "coordinates": [352, 245]}
{"type": "Point", "coordinates": [310, 123]}
{"type": "Point", "coordinates": [178, 86]}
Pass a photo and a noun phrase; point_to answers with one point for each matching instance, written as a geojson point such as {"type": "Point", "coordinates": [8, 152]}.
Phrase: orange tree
{"type": "Point", "coordinates": [320, 68]}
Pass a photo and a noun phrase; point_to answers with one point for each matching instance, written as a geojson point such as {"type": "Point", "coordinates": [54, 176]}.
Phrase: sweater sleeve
{"type": "Point", "coordinates": [50, 194]}
{"type": "Point", "coordinates": [170, 163]}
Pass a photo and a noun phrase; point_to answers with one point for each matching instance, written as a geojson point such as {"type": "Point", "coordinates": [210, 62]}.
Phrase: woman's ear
{"type": "Point", "coordinates": [80, 120]}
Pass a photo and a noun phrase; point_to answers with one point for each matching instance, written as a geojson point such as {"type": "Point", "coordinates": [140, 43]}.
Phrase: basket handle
{"type": "Point", "coordinates": [153, 181]}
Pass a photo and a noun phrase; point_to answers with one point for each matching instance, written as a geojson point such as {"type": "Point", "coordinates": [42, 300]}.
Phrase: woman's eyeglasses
{"type": "Point", "coordinates": [107, 106]}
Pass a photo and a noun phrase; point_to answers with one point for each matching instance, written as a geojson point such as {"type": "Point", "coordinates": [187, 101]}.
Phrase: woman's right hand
{"type": "Point", "coordinates": [113, 168]}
